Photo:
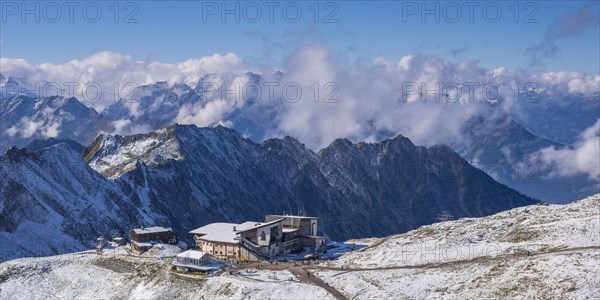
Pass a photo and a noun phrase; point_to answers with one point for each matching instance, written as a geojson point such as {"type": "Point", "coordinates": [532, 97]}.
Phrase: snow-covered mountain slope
{"type": "Point", "coordinates": [11, 86]}
{"type": "Point", "coordinates": [534, 252]}
{"type": "Point", "coordinates": [537, 228]}
{"type": "Point", "coordinates": [410, 180]}
{"type": "Point", "coordinates": [87, 276]}
{"type": "Point", "coordinates": [565, 275]}
{"type": "Point", "coordinates": [52, 202]}
{"type": "Point", "coordinates": [116, 155]}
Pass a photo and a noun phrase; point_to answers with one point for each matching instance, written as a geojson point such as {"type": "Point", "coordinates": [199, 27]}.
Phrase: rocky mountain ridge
{"type": "Point", "coordinates": [185, 177]}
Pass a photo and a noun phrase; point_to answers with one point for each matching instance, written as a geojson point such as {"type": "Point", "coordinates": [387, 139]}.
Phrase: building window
{"type": "Point", "coordinates": [263, 236]}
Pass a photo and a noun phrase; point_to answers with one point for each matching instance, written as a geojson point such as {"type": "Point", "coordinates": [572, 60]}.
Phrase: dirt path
{"type": "Point", "coordinates": [116, 266]}
{"type": "Point", "coordinates": [306, 276]}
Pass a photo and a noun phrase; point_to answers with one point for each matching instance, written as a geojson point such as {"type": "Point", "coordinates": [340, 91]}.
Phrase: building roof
{"type": "Point", "coordinates": [155, 229]}
{"type": "Point", "coordinates": [207, 267]}
{"type": "Point", "coordinates": [193, 254]}
{"type": "Point", "coordinates": [142, 244]}
{"type": "Point", "coordinates": [248, 225]}
{"type": "Point", "coordinates": [222, 232]}
{"type": "Point", "coordinates": [259, 225]}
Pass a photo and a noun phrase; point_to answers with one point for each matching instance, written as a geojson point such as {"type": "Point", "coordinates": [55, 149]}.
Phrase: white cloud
{"type": "Point", "coordinates": [572, 82]}
{"type": "Point", "coordinates": [369, 97]}
{"type": "Point", "coordinates": [51, 130]}
{"type": "Point", "coordinates": [112, 71]}
{"type": "Point", "coordinates": [27, 128]}
{"type": "Point", "coordinates": [582, 158]}
{"type": "Point", "coordinates": [202, 115]}
{"type": "Point", "coordinates": [119, 125]}
{"type": "Point", "coordinates": [193, 68]}
{"type": "Point", "coordinates": [226, 98]}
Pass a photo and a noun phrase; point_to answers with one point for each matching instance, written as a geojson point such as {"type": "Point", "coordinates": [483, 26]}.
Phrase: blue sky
{"type": "Point", "coordinates": [175, 31]}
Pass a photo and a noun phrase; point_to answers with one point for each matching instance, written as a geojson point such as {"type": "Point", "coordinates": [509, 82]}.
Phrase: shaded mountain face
{"type": "Point", "coordinates": [196, 176]}
{"type": "Point", "coordinates": [403, 186]}
{"type": "Point", "coordinates": [37, 145]}
{"type": "Point", "coordinates": [500, 146]}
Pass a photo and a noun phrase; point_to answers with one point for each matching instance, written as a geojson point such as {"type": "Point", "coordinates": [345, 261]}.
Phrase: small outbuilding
{"type": "Point", "coordinates": [140, 247]}
{"type": "Point", "coordinates": [143, 238]}
{"type": "Point", "coordinates": [119, 241]}
{"type": "Point", "coordinates": [193, 260]}
{"type": "Point", "coordinates": [156, 233]}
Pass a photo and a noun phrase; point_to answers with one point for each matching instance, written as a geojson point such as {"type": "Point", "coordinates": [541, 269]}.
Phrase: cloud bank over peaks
{"type": "Point", "coordinates": [105, 77]}
{"type": "Point", "coordinates": [316, 98]}
{"type": "Point", "coordinates": [427, 99]}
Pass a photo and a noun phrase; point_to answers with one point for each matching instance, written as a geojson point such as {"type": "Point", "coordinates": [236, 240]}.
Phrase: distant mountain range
{"type": "Point", "coordinates": [496, 142]}
{"type": "Point", "coordinates": [185, 177]}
